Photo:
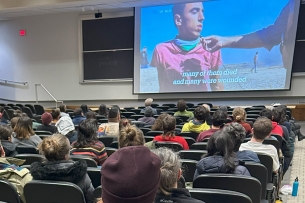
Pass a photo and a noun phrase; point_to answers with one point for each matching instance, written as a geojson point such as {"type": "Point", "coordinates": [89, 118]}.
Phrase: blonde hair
{"type": "Point", "coordinates": [23, 128]}
{"type": "Point", "coordinates": [239, 114]}
{"type": "Point", "coordinates": [55, 147]}
{"type": "Point", "coordinates": [131, 136]}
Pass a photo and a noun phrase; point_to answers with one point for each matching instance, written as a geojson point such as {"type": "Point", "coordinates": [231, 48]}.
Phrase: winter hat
{"type": "Point", "coordinates": [46, 118]}
{"type": "Point", "coordinates": [131, 175]}
{"type": "Point", "coordinates": [65, 125]}
{"type": "Point", "coordinates": [148, 111]}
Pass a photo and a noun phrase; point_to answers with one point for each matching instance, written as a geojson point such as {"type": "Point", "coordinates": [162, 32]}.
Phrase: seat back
{"type": "Point", "coordinates": [107, 140]}
{"type": "Point", "coordinates": [154, 133]}
{"type": "Point", "coordinates": [41, 132]}
{"type": "Point", "coordinates": [90, 162]}
{"type": "Point", "coordinates": [239, 183]}
{"type": "Point", "coordinates": [39, 109]}
{"type": "Point", "coordinates": [110, 150]}
{"type": "Point", "coordinates": [30, 158]}
{"type": "Point", "coordinates": [49, 191]}
{"type": "Point", "coordinates": [145, 130]}
{"type": "Point", "coordinates": [216, 195]}
{"type": "Point", "coordinates": [97, 192]}
{"type": "Point", "coordinates": [199, 146]}
{"type": "Point", "coordinates": [8, 192]}
{"type": "Point", "coordinates": [148, 138]}
{"type": "Point", "coordinates": [136, 117]}
{"type": "Point", "coordinates": [267, 161]}
{"type": "Point", "coordinates": [128, 114]}
{"type": "Point", "coordinates": [114, 144]}
{"type": "Point", "coordinates": [28, 111]}
{"type": "Point", "coordinates": [95, 175]}
{"type": "Point", "coordinates": [279, 138]}
{"type": "Point", "coordinates": [136, 111]}
{"type": "Point", "coordinates": [169, 105]}
{"type": "Point", "coordinates": [31, 107]}
{"type": "Point", "coordinates": [188, 169]}
{"type": "Point", "coordinates": [190, 141]}
{"type": "Point", "coordinates": [273, 142]}
{"type": "Point", "coordinates": [103, 120]}
{"type": "Point", "coordinates": [21, 149]}
{"type": "Point", "coordinates": [193, 135]}
{"type": "Point", "coordinates": [192, 154]}
{"type": "Point", "coordinates": [8, 114]}
{"type": "Point", "coordinates": [171, 145]}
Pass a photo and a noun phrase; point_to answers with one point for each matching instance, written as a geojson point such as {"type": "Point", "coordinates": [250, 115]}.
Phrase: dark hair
{"type": "Point", "coordinates": [78, 111]}
{"type": "Point", "coordinates": [62, 108]}
{"type": "Point", "coordinates": [220, 143]}
{"type": "Point", "coordinates": [169, 125]}
{"type": "Point", "coordinates": [102, 110]}
{"type": "Point", "coordinates": [23, 128]}
{"type": "Point", "coordinates": [219, 118]}
{"type": "Point", "coordinates": [181, 105]}
{"type": "Point", "coordinates": [54, 147]}
{"type": "Point", "coordinates": [90, 115]}
{"type": "Point", "coordinates": [178, 9]}
{"type": "Point", "coordinates": [237, 133]}
{"type": "Point", "coordinates": [84, 107]}
{"type": "Point", "coordinates": [276, 113]}
{"type": "Point", "coordinates": [266, 113]}
{"type": "Point", "coordinates": [113, 112]}
{"type": "Point", "coordinates": [5, 132]}
{"type": "Point", "coordinates": [201, 113]}
{"type": "Point", "coordinates": [55, 113]}
{"type": "Point", "coordinates": [262, 127]}
{"type": "Point", "coordinates": [1, 109]}
{"type": "Point", "coordinates": [87, 133]}
{"type": "Point", "coordinates": [282, 110]}
{"type": "Point", "coordinates": [158, 126]}
{"type": "Point", "coordinates": [131, 136]}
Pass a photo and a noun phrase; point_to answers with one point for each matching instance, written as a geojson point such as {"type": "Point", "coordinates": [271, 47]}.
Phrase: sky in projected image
{"type": "Point", "coordinates": [223, 18]}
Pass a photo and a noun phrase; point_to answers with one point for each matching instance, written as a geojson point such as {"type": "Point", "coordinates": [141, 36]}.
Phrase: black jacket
{"type": "Point", "coordinates": [69, 171]}
{"type": "Point", "coordinates": [9, 148]}
{"type": "Point", "coordinates": [179, 195]}
{"type": "Point", "coordinates": [50, 128]}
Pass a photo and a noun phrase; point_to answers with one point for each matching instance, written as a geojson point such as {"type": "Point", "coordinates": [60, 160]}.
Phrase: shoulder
{"type": "Point", "coordinates": [164, 45]}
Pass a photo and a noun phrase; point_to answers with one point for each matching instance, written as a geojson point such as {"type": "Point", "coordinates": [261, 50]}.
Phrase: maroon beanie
{"type": "Point", "coordinates": [131, 175]}
{"type": "Point", "coordinates": [46, 118]}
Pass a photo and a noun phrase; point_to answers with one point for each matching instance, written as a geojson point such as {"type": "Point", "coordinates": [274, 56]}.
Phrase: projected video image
{"type": "Point", "coordinates": [221, 45]}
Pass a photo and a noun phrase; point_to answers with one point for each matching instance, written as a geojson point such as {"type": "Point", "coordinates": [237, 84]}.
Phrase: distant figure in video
{"type": "Point", "coordinates": [184, 57]}
{"type": "Point", "coordinates": [144, 60]}
{"type": "Point", "coordinates": [255, 58]}
{"type": "Point", "coordinates": [281, 32]}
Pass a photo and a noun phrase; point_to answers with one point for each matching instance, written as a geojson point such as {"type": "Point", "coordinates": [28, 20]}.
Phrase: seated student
{"type": "Point", "coordinates": [10, 171]}
{"type": "Point", "coordinates": [221, 157]}
{"type": "Point", "coordinates": [2, 119]}
{"type": "Point", "coordinates": [66, 127]}
{"type": "Point", "coordinates": [131, 136]}
{"type": "Point", "coordinates": [23, 133]}
{"type": "Point", "coordinates": [239, 116]}
{"type": "Point", "coordinates": [218, 120]}
{"type": "Point", "coordinates": [148, 103]}
{"type": "Point", "coordinates": [209, 117]}
{"type": "Point", "coordinates": [276, 128]}
{"type": "Point", "coordinates": [90, 115]}
{"type": "Point", "coordinates": [102, 110]}
{"type": "Point", "coordinates": [157, 126]}
{"type": "Point", "coordinates": [181, 106]}
{"type": "Point", "coordinates": [46, 119]}
{"type": "Point", "coordinates": [85, 109]}
{"type": "Point", "coordinates": [55, 116]}
{"type": "Point", "coordinates": [170, 174]}
{"type": "Point", "coordinates": [261, 129]}
{"type": "Point", "coordinates": [198, 124]}
{"type": "Point", "coordinates": [87, 142]}
{"type": "Point", "coordinates": [129, 175]}
{"type": "Point", "coordinates": [148, 116]}
{"type": "Point", "coordinates": [112, 127]}
{"type": "Point", "coordinates": [169, 126]}
{"type": "Point", "coordinates": [5, 139]}
{"type": "Point", "coordinates": [78, 116]}
{"type": "Point", "coordinates": [59, 167]}
{"type": "Point", "coordinates": [62, 109]}
{"type": "Point", "coordinates": [238, 133]}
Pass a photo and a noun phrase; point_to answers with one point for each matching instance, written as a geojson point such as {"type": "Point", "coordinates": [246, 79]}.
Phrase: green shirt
{"type": "Point", "coordinates": [184, 113]}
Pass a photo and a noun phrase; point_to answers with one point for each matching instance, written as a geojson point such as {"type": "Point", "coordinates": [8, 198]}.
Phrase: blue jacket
{"type": "Point", "coordinates": [77, 119]}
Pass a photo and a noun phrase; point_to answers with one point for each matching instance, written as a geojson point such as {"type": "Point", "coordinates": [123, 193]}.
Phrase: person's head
{"type": "Point", "coordinates": [102, 110]}
{"type": "Point", "coordinates": [124, 122]}
{"type": "Point", "coordinates": [78, 112]}
{"type": "Point", "coordinates": [55, 147]}
{"type": "Point", "coordinates": [157, 126]}
{"type": "Point", "coordinates": [282, 111]}
{"type": "Point", "coordinates": [266, 113]}
{"type": "Point", "coordinates": [55, 114]}
{"type": "Point", "coordinates": [237, 132]}
{"type": "Point", "coordinates": [262, 128]}
{"type": "Point", "coordinates": [220, 143]}
{"type": "Point", "coordinates": [148, 101]}
{"type": "Point", "coordinates": [223, 108]}
{"type": "Point", "coordinates": [170, 169]}
{"type": "Point", "coordinates": [14, 121]}
{"type": "Point", "coordinates": [5, 132]}
{"type": "Point", "coordinates": [276, 114]}
{"type": "Point", "coordinates": [114, 114]}
{"type": "Point", "coordinates": [90, 115]}
{"type": "Point", "coordinates": [17, 113]}
{"type": "Point", "coordinates": [46, 118]}
{"type": "Point", "coordinates": [169, 125]}
{"type": "Point", "coordinates": [181, 105]}
{"type": "Point", "coordinates": [239, 114]}
{"type": "Point", "coordinates": [131, 136]}
{"type": "Point", "coordinates": [84, 108]}
{"type": "Point", "coordinates": [201, 113]}
{"type": "Point", "coordinates": [219, 118]}
{"type": "Point", "coordinates": [188, 18]}
{"type": "Point", "coordinates": [139, 184]}
{"type": "Point", "coordinates": [23, 128]}
{"type": "Point", "coordinates": [208, 108]}
{"type": "Point", "coordinates": [148, 112]}
{"type": "Point", "coordinates": [256, 53]}
{"type": "Point", "coordinates": [87, 133]}
{"type": "Point", "coordinates": [62, 108]}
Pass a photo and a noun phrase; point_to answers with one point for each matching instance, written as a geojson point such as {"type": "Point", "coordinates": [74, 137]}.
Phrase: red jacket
{"type": "Point", "coordinates": [276, 129]}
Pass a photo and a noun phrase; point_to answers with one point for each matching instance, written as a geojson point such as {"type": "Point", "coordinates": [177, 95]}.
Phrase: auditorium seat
{"type": "Point", "coordinates": [169, 105]}
{"type": "Point", "coordinates": [90, 162]}
{"type": "Point", "coordinates": [41, 132]}
{"type": "Point", "coordinates": [95, 175]}
{"type": "Point", "coordinates": [199, 146]}
{"type": "Point", "coordinates": [8, 192]}
{"type": "Point", "coordinates": [39, 109]}
{"type": "Point", "coordinates": [192, 154]}
{"type": "Point", "coordinates": [21, 149]}
{"type": "Point", "coordinates": [171, 145]}
{"type": "Point", "coordinates": [188, 169]}
{"type": "Point", "coordinates": [30, 158]}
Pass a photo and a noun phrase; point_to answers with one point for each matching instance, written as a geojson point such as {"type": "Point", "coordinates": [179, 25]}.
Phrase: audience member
{"type": "Point", "coordinates": [218, 120]}
{"type": "Point", "coordinates": [209, 117]}
{"type": "Point", "coordinates": [46, 119]}
{"type": "Point", "coordinates": [5, 139]}
{"type": "Point", "coordinates": [157, 126]}
{"type": "Point", "coordinates": [112, 127]}
{"type": "Point", "coordinates": [181, 106]}
{"type": "Point", "coordinates": [276, 117]}
{"type": "Point", "coordinates": [123, 184]}
{"type": "Point", "coordinates": [239, 116]}
{"type": "Point", "coordinates": [62, 109]}
{"type": "Point", "coordinates": [123, 123]}
{"type": "Point", "coordinates": [10, 171]}
{"type": "Point", "coordinates": [238, 133]}
{"type": "Point", "coordinates": [148, 116]}
{"type": "Point", "coordinates": [55, 116]}
{"type": "Point", "coordinates": [276, 128]}
{"type": "Point", "coordinates": [169, 126]}
{"type": "Point", "coordinates": [148, 103]}
{"type": "Point", "coordinates": [78, 116]}
{"type": "Point", "coordinates": [131, 136]}
{"type": "Point", "coordinates": [221, 157]}
{"type": "Point", "coordinates": [170, 174]}
{"type": "Point", "coordinates": [87, 142]}
{"type": "Point", "coordinates": [198, 124]}
{"type": "Point", "coordinates": [103, 111]}
{"type": "Point", "coordinates": [66, 127]}
{"type": "Point", "coordinates": [90, 115]}
{"type": "Point", "coordinates": [59, 167]}
{"type": "Point", "coordinates": [23, 133]}
{"type": "Point", "coordinates": [2, 119]}
{"type": "Point", "coordinates": [84, 108]}
{"type": "Point", "coordinates": [261, 129]}
{"type": "Point", "coordinates": [14, 121]}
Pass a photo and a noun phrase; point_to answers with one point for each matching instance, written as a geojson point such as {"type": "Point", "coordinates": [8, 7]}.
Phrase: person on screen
{"type": "Point", "coordinates": [282, 33]}
{"type": "Point", "coordinates": [183, 63]}
{"type": "Point", "coordinates": [144, 60]}
{"type": "Point", "coordinates": [255, 58]}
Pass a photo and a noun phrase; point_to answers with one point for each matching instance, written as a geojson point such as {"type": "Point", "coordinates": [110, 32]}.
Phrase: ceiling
{"type": "Point", "coordinates": [16, 8]}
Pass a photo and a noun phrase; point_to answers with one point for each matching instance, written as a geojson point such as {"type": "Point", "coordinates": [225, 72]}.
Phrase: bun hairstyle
{"type": "Point", "coordinates": [239, 114]}
{"type": "Point", "coordinates": [124, 122]}
{"type": "Point", "coordinates": [55, 147]}
{"type": "Point", "coordinates": [237, 133]}
{"type": "Point", "coordinates": [131, 136]}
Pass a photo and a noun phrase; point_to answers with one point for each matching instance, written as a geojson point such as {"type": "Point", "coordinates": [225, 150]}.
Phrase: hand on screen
{"type": "Point", "coordinates": [212, 43]}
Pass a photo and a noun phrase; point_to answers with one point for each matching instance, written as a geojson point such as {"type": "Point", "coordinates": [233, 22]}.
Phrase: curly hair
{"type": "Point", "coordinates": [237, 133]}
{"type": "Point", "coordinates": [239, 114]}
{"type": "Point", "coordinates": [158, 126]}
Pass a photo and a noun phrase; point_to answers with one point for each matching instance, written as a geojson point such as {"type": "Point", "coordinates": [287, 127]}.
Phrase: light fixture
{"type": "Point", "coordinates": [83, 9]}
